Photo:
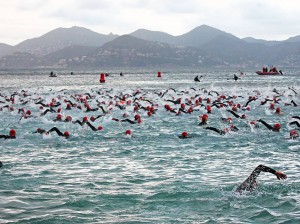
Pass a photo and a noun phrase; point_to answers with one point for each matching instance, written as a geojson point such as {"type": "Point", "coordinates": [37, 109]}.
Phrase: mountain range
{"type": "Point", "coordinates": [204, 46]}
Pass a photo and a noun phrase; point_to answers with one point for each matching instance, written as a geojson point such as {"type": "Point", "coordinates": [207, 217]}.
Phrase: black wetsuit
{"type": "Point", "coordinates": [250, 183]}
{"type": "Point", "coordinates": [221, 132]}
{"type": "Point", "coordinates": [7, 137]}
{"type": "Point", "coordinates": [268, 126]}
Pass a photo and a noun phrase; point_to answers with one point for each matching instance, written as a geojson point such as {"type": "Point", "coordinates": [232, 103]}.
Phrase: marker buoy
{"type": "Point", "coordinates": [102, 78]}
{"type": "Point", "coordinates": [159, 74]}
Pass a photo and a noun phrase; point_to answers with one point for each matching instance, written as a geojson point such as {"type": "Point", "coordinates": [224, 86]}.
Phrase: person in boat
{"type": "Point", "coordinates": [121, 73]}
{"type": "Point", "coordinates": [12, 135]}
{"type": "Point", "coordinates": [250, 183]}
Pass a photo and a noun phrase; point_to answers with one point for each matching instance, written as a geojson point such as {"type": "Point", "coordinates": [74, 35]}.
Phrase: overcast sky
{"type": "Point", "coordinates": [262, 19]}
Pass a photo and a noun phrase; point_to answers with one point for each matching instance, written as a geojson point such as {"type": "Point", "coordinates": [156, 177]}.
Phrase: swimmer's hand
{"type": "Point", "coordinates": [280, 175]}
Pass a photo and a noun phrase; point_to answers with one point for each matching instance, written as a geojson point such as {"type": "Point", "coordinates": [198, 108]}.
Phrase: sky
{"type": "Point", "coordinates": [261, 19]}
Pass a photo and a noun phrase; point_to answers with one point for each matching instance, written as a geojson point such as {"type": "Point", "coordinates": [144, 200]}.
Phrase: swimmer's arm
{"type": "Point", "coordinates": [91, 126]}
{"type": "Point", "coordinates": [297, 117]}
{"type": "Point", "coordinates": [266, 124]}
{"type": "Point", "coordinates": [263, 168]}
{"type": "Point", "coordinates": [295, 122]}
{"type": "Point", "coordinates": [234, 114]}
{"type": "Point", "coordinates": [56, 130]}
{"type": "Point", "coordinates": [129, 121]}
{"type": "Point", "coordinates": [216, 130]}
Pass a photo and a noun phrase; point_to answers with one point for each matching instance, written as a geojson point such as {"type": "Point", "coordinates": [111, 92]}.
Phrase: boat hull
{"type": "Point", "coordinates": [267, 73]}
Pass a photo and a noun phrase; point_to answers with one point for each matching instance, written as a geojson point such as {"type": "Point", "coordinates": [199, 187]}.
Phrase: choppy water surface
{"type": "Point", "coordinates": [154, 176]}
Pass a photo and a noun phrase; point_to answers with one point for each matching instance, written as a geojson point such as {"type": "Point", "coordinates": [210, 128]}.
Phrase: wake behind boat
{"type": "Point", "coordinates": [272, 71]}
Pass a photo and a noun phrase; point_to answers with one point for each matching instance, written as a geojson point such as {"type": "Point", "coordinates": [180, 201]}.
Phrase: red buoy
{"type": "Point", "coordinates": [102, 78]}
{"type": "Point", "coordinates": [158, 74]}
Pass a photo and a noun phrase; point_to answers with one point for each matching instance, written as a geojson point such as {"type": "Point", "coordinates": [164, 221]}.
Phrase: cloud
{"type": "Point", "coordinates": [265, 19]}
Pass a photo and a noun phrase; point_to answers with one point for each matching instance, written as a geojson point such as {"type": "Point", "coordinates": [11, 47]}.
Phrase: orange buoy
{"type": "Point", "coordinates": [158, 74]}
{"type": "Point", "coordinates": [102, 78]}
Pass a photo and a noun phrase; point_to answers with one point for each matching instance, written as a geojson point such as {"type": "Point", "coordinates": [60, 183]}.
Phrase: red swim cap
{"type": "Point", "coordinates": [184, 134]}
{"type": "Point", "coordinates": [68, 118]}
{"type": "Point", "coordinates": [278, 110]}
{"type": "Point", "coordinates": [68, 105]}
{"type": "Point", "coordinates": [66, 134]}
{"type": "Point", "coordinates": [100, 128]}
{"type": "Point", "coordinates": [92, 118]}
{"type": "Point", "coordinates": [149, 113]}
{"type": "Point", "coordinates": [204, 117]}
{"type": "Point", "coordinates": [137, 116]}
{"type": "Point", "coordinates": [51, 104]}
{"type": "Point", "coordinates": [294, 134]}
{"type": "Point", "coordinates": [59, 110]}
{"type": "Point", "coordinates": [277, 126]}
{"type": "Point", "coordinates": [128, 132]}
{"type": "Point", "coordinates": [272, 106]}
{"type": "Point", "coordinates": [85, 119]}
{"type": "Point", "coordinates": [12, 133]}
{"type": "Point", "coordinates": [28, 112]}
{"type": "Point", "coordinates": [243, 116]}
{"type": "Point", "coordinates": [58, 116]}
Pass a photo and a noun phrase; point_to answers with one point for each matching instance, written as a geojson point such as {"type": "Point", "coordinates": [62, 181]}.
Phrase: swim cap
{"type": "Point", "coordinates": [137, 116]}
{"type": "Point", "coordinates": [204, 117]}
{"type": "Point", "coordinates": [12, 133]}
{"type": "Point", "coordinates": [66, 134]}
{"type": "Point", "coordinates": [59, 110]}
{"type": "Point", "coordinates": [272, 106]}
{"type": "Point", "coordinates": [85, 119]}
{"type": "Point", "coordinates": [149, 113]}
{"type": "Point", "coordinates": [51, 104]}
{"type": "Point", "coordinates": [182, 105]}
{"type": "Point", "coordinates": [41, 107]}
{"type": "Point", "coordinates": [100, 128]}
{"type": "Point", "coordinates": [184, 134]}
{"type": "Point", "coordinates": [294, 134]}
{"type": "Point", "coordinates": [234, 108]}
{"type": "Point", "coordinates": [59, 116]}
{"type": "Point", "coordinates": [278, 110]}
{"type": "Point", "coordinates": [243, 116]}
{"type": "Point", "coordinates": [208, 100]}
{"type": "Point", "coordinates": [68, 105]}
{"type": "Point", "coordinates": [28, 112]}
{"type": "Point", "coordinates": [68, 118]}
{"type": "Point", "coordinates": [11, 109]}
{"type": "Point", "coordinates": [92, 118]}
{"type": "Point", "coordinates": [128, 132]}
{"type": "Point", "coordinates": [277, 126]}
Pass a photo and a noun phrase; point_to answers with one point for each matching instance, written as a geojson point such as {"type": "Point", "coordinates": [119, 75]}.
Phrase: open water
{"type": "Point", "coordinates": [153, 176]}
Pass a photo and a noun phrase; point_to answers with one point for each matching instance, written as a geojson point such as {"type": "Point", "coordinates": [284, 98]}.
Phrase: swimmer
{"type": "Point", "coordinates": [275, 128]}
{"type": "Point", "coordinates": [66, 134]}
{"type": "Point", "coordinates": [294, 134]}
{"type": "Point", "coordinates": [1, 164]}
{"type": "Point", "coordinates": [250, 183]}
{"type": "Point", "coordinates": [184, 135]}
{"type": "Point", "coordinates": [12, 135]}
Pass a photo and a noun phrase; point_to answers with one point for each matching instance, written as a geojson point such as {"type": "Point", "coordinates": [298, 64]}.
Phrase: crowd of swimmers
{"type": "Point", "coordinates": [135, 106]}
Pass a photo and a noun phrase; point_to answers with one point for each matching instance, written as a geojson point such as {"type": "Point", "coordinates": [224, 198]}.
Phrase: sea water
{"type": "Point", "coordinates": [153, 176]}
